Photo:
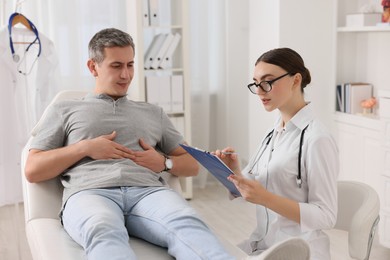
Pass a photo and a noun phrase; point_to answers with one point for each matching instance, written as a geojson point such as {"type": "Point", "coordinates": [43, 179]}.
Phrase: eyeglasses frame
{"type": "Point", "coordinates": [269, 82]}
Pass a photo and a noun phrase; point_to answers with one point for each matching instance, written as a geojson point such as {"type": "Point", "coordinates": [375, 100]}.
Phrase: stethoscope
{"type": "Point", "coordinates": [260, 153]}
{"type": "Point", "coordinates": [267, 141]}
{"type": "Point", "coordinates": [16, 57]}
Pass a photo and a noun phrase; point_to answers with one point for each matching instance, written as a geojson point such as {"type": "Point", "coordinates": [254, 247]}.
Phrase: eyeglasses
{"type": "Point", "coordinates": [265, 85]}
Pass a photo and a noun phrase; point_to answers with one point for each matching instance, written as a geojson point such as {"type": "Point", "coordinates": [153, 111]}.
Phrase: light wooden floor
{"type": "Point", "coordinates": [232, 220]}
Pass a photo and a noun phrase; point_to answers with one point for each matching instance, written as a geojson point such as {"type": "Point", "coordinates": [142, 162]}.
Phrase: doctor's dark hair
{"type": "Point", "coordinates": [289, 60]}
{"type": "Point", "coordinates": [107, 38]}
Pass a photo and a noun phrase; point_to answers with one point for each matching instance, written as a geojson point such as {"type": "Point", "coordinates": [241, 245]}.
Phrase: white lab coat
{"type": "Point", "coordinates": [22, 101]}
{"type": "Point", "coordinates": [277, 169]}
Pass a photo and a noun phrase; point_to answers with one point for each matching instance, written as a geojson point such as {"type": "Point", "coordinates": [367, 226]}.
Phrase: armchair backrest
{"type": "Point", "coordinates": [358, 213]}
{"type": "Point", "coordinates": [41, 200]}
{"type": "Point", "coordinates": [44, 199]}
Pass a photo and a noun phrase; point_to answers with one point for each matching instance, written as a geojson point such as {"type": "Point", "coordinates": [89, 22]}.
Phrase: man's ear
{"type": "Point", "coordinates": [92, 67]}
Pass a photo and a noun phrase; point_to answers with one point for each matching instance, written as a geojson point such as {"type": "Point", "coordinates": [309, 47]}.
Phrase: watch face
{"type": "Point", "coordinates": [168, 164]}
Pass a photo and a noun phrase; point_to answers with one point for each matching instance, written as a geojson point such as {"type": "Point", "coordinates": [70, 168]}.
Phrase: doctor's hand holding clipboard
{"type": "Point", "coordinates": [250, 189]}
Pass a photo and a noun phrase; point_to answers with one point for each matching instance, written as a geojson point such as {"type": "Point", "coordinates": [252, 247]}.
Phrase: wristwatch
{"type": "Point", "coordinates": [168, 163]}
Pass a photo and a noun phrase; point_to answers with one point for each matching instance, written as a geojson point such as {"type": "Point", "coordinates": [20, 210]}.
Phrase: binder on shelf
{"type": "Point", "coordinates": [158, 91]}
{"type": "Point", "coordinates": [152, 91]}
{"type": "Point", "coordinates": [347, 99]}
{"type": "Point", "coordinates": [145, 13]}
{"type": "Point", "coordinates": [339, 99]}
{"type": "Point", "coordinates": [165, 93]}
{"type": "Point", "coordinates": [165, 16]}
{"type": "Point", "coordinates": [177, 93]}
{"type": "Point", "coordinates": [162, 50]}
{"type": "Point", "coordinates": [153, 50]}
{"type": "Point", "coordinates": [154, 12]}
{"type": "Point", "coordinates": [166, 61]}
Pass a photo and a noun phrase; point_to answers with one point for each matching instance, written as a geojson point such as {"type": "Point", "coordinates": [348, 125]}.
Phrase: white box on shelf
{"type": "Point", "coordinates": [357, 93]}
{"type": "Point", "coordinates": [363, 19]}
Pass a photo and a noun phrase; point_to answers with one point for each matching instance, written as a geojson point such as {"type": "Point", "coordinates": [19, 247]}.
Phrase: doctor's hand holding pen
{"type": "Point", "coordinates": [230, 158]}
{"type": "Point", "coordinates": [250, 189]}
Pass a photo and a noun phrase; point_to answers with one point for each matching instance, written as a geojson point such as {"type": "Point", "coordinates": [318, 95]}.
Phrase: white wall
{"type": "Point", "coordinates": [263, 36]}
{"type": "Point", "coordinates": [237, 54]}
{"type": "Point", "coordinates": [219, 54]}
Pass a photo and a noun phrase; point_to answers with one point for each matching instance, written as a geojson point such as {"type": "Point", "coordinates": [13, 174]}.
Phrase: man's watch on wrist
{"type": "Point", "coordinates": [168, 164]}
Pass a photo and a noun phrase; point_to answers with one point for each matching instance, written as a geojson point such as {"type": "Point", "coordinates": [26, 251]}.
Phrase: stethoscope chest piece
{"type": "Point", "coordinates": [16, 58]}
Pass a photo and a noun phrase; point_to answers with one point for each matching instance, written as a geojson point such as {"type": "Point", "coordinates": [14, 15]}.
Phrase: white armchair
{"type": "Point", "coordinates": [42, 203]}
{"type": "Point", "coordinates": [358, 214]}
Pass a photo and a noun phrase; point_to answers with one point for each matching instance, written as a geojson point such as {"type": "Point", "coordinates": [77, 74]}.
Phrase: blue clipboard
{"type": "Point", "coordinates": [214, 165]}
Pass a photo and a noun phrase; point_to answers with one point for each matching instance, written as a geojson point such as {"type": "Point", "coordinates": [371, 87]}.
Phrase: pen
{"type": "Point", "coordinates": [228, 153]}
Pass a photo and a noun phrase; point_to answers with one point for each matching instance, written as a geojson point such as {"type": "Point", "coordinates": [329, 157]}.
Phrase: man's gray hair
{"type": "Point", "coordinates": [107, 38]}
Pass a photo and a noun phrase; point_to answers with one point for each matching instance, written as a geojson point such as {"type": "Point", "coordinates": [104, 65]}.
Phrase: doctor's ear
{"type": "Point", "coordinates": [92, 67]}
{"type": "Point", "coordinates": [298, 79]}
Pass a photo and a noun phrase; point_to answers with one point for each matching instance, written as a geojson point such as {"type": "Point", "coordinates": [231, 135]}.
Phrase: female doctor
{"type": "Point", "coordinates": [292, 176]}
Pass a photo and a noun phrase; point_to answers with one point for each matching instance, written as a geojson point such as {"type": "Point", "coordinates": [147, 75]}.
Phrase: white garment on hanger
{"type": "Point", "coordinates": [22, 101]}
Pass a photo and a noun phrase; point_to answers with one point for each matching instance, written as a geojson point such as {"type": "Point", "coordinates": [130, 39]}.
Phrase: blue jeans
{"type": "Point", "coordinates": [100, 220]}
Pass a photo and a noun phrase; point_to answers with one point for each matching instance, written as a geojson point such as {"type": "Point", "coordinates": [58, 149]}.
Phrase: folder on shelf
{"type": "Point", "coordinates": [177, 93]}
{"type": "Point", "coordinates": [166, 61]}
{"type": "Point", "coordinates": [145, 13]}
{"type": "Point", "coordinates": [162, 50]}
{"type": "Point", "coordinates": [153, 50]}
{"type": "Point", "coordinates": [214, 165]}
{"type": "Point", "coordinates": [154, 12]}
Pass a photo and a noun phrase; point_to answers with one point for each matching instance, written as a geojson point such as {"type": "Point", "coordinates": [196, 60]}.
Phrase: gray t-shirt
{"type": "Point", "coordinates": [71, 121]}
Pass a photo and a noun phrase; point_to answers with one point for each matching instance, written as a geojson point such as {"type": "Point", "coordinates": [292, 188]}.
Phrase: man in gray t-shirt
{"type": "Point", "coordinates": [109, 151]}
